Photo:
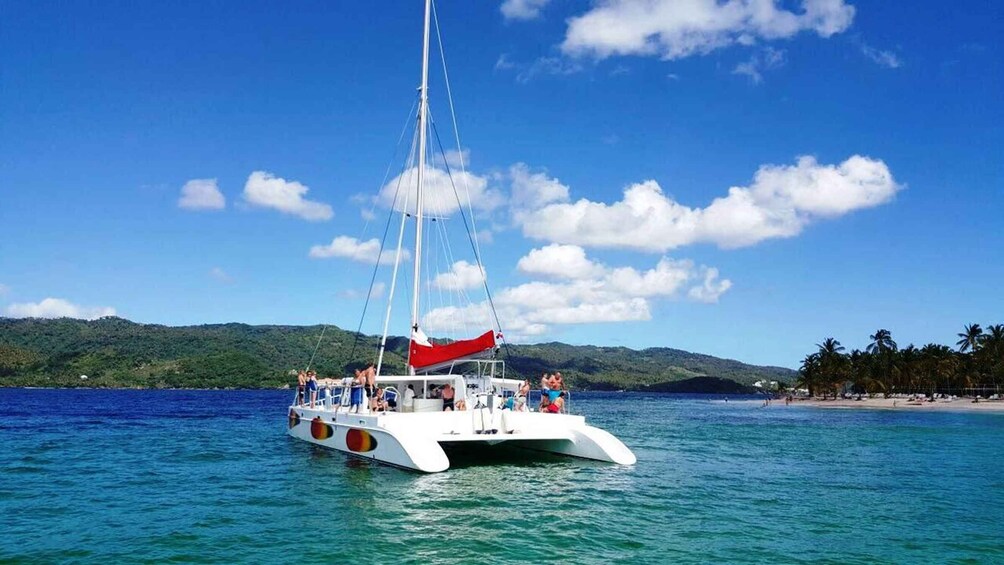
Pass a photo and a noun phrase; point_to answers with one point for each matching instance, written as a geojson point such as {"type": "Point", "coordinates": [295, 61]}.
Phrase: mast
{"type": "Point", "coordinates": [420, 200]}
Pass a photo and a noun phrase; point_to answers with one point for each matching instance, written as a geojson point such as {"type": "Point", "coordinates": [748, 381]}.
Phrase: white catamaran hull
{"type": "Point", "coordinates": [413, 441]}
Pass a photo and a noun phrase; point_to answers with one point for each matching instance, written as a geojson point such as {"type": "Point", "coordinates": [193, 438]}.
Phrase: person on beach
{"type": "Point", "coordinates": [301, 386]}
{"type": "Point", "coordinates": [448, 396]}
{"type": "Point", "coordinates": [312, 387]}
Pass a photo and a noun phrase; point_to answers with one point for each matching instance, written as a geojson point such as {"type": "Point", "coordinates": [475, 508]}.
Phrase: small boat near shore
{"type": "Point", "coordinates": [485, 408]}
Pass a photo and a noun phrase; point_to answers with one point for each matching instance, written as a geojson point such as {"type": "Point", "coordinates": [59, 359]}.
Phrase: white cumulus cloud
{"type": "Point", "coordinates": [522, 9]}
{"type": "Point", "coordinates": [531, 191]}
{"type": "Point", "coordinates": [360, 251]}
{"type": "Point", "coordinates": [559, 262]}
{"type": "Point", "coordinates": [674, 29]}
{"type": "Point", "coordinates": [58, 308]}
{"type": "Point", "coordinates": [268, 191]}
{"type": "Point", "coordinates": [461, 276]}
{"type": "Point", "coordinates": [780, 202]}
{"type": "Point", "coordinates": [584, 291]}
{"type": "Point", "coordinates": [442, 197]}
{"type": "Point", "coordinates": [201, 194]}
{"type": "Point", "coordinates": [710, 288]}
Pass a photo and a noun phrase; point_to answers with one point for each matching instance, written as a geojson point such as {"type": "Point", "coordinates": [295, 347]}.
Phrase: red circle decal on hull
{"type": "Point", "coordinates": [360, 441]}
{"type": "Point", "coordinates": [320, 430]}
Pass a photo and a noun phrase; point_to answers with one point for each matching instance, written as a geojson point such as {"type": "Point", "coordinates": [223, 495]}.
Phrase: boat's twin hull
{"type": "Point", "coordinates": [392, 439]}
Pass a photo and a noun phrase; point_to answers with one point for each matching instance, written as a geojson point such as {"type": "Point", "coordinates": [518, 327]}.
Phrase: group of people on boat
{"type": "Point", "coordinates": [552, 393]}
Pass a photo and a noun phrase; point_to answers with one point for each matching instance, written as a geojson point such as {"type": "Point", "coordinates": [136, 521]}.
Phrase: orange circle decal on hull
{"type": "Point", "coordinates": [294, 418]}
{"type": "Point", "coordinates": [320, 430]}
{"type": "Point", "coordinates": [360, 441]}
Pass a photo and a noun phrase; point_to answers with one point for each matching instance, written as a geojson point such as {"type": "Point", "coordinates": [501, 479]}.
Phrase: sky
{"type": "Point", "coordinates": [741, 178]}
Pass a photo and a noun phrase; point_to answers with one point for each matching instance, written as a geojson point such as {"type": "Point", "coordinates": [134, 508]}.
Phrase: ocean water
{"type": "Point", "coordinates": [209, 476]}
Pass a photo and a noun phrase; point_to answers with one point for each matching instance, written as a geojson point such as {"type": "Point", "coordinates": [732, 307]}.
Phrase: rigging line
{"type": "Point", "coordinates": [386, 174]}
{"type": "Point", "coordinates": [311, 362]}
{"type": "Point", "coordinates": [456, 132]}
{"type": "Point", "coordinates": [484, 279]}
{"type": "Point", "coordinates": [376, 264]}
{"type": "Point", "coordinates": [390, 164]}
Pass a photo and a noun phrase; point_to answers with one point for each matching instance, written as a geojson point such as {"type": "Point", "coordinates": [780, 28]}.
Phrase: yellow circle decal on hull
{"type": "Point", "coordinates": [320, 430]}
{"type": "Point", "coordinates": [360, 441]}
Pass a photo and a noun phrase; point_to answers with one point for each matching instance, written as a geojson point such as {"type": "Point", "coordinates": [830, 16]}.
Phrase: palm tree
{"type": "Point", "coordinates": [808, 373]}
{"type": "Point", "coordinates": [908, 369]}
{"type": "Point", "coordinates": [990, 357]}
{"type": "Point", "coordinates": [970, 339]}
{"type": "Point", "coordinates": [861, 372]}
{"type": "Point", "coordinates": [938, 366]}
{"type": "Point", "coordinates": [832, 364]}
{"type": "Point", "coordinates": [881, 342]}
{"type": "Point", "coordinates": [883, 347]}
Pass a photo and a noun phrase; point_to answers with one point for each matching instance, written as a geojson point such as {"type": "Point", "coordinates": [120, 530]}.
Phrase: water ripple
{"type": "Point", "coordinates": [209, 476]}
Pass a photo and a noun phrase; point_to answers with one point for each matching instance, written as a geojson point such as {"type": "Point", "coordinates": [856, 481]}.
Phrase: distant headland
{"type": "Point", "coordinates": [114, 352]}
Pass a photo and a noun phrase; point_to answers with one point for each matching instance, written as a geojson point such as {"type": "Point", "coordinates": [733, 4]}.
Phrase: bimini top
{"type": "Point", "coordinates": [427, 356]}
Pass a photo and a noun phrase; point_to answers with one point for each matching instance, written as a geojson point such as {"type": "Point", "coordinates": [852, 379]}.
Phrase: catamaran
{"type": "Point", "coordinates": [488, 409]}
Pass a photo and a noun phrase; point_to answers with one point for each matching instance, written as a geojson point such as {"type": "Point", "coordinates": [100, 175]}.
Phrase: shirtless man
{"type": "Point", "coordinates": [301, 386]}
{"type": "Point", "coordinates": [371, 389]}
{"type": "Point", "coordinates": [524, 389]}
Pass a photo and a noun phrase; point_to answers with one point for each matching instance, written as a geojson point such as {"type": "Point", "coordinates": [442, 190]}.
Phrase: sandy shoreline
{"type": "Point", "coordinates": [957, 405]}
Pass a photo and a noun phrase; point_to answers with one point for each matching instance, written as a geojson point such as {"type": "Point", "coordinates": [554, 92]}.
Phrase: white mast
{"type": "Point", "coordinates": [423, 102]}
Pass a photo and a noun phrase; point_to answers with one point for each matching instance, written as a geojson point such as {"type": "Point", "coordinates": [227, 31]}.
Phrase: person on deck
{"type": "Point", "coordinates": [356, 394]}
{"type": "Point", "coordinates": [448, 395]}
{"type": "Point", "coordinates": [558, 405]}
{"type": "Point", "coordinates": [371, 389]}
{"type": "Point", "coordinates": [409, 399]}
{"type": "Point", "coordinates": [381, 400]}
{"type": "Point", "coordinates": [301, 387]}
{"type": "Point", "coordinates": [545, 387]}
{"type": "Point", "coordinates": [524, 389]}
{"type": "Point", "coordinates": [312, 387]}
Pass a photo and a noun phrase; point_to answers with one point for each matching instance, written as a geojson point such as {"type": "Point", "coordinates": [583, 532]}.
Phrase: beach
{"type": "Point", "coordinates": [946, 405]}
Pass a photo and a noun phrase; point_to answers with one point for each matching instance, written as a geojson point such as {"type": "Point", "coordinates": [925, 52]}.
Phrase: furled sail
{"type": "Point", "coordinates": [426, 355]}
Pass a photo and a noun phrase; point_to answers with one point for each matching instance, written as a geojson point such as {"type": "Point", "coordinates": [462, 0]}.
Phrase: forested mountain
{"type": "Point", "coordinates": [114, 352]}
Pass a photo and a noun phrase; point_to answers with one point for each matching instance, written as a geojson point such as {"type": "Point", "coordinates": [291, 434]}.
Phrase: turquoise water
{"type": "Point", "coordinates": [109, 476]}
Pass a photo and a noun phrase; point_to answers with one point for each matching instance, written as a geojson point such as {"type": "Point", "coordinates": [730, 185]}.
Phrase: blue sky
{"type": "Point", "coordinates": [862, 143]}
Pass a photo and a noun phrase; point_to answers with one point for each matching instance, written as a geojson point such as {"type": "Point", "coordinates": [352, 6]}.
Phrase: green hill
{"type": "Point", "coordinates": [114, 352]}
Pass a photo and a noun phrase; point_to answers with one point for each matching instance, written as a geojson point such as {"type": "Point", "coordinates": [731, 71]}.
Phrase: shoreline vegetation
{"type": "Point", "coordinates": [887, 376]}
{"type": "Point", "coordinates": [117, 353]}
